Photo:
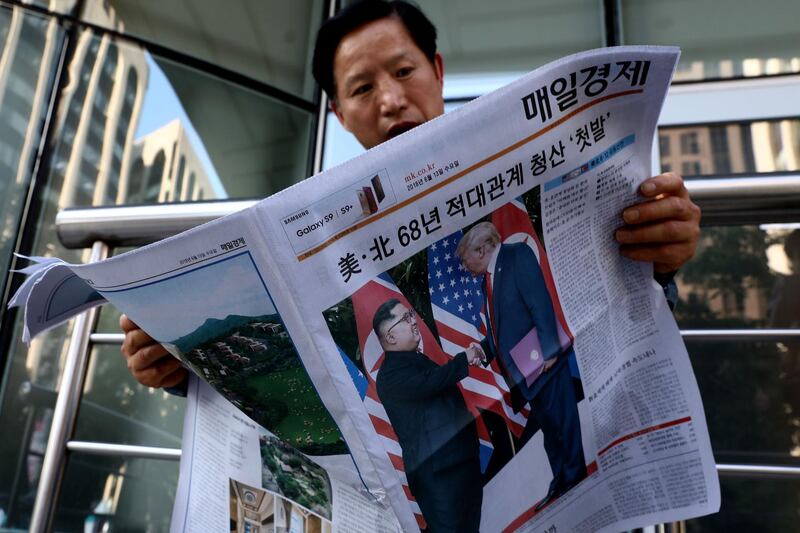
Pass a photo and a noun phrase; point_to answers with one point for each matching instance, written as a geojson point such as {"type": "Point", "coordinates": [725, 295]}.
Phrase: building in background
{"type": "Point", "coordinates": [166, 168]}
{"type": "Point", "coordinates": [106, 92]}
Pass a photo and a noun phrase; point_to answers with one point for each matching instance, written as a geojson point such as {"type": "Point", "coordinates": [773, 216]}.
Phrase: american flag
{"type": "Point", "coordinates": [366, 301]}
{"type": "Point", "coordinates": [458, 309]}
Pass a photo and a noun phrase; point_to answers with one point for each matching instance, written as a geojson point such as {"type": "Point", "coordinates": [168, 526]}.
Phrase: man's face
{"type": "Point", "coordinates": [384, 83]}
{"type": "Point", "coordinates": [476, 258]}
{"type": "Point", "coordinates": [401, 333]}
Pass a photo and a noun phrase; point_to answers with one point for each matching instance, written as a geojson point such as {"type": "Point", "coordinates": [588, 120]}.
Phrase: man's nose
{"type": "Point", "coordinates": [393, 97]}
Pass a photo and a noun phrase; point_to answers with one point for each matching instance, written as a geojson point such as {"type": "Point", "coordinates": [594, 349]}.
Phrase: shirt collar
{"type": "Point", "coordinates": [493, 260]}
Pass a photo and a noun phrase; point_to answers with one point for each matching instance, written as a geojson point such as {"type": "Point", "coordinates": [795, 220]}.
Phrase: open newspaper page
{"type": "Point", "coordinates": [490, 230]}
{"type": "Point", "coordinates": [235, 475]}
{"type": "Point", "coordinates": [203, 295]}
{"type": "Point", "coordinates": [447, 312]}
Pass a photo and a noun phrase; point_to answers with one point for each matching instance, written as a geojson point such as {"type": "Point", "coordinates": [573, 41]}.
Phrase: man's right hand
{"type": "Point", "coordinates": [148, 361]}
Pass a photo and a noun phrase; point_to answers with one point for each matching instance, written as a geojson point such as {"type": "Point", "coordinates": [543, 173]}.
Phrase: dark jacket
{"type": "Point", "coordinates": [520, 303]}
{"type": "Point", "coordinates": [427, 410]}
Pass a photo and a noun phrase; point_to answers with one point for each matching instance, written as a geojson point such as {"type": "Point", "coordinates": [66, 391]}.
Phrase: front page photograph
{"type": "Point", "coordinates": [482, 419]}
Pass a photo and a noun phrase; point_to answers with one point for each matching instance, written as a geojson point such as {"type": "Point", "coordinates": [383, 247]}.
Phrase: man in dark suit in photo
{"type": "Point", "coordinates": [521, 319]}
{"type": "Point", "coordinates": [436, 430]}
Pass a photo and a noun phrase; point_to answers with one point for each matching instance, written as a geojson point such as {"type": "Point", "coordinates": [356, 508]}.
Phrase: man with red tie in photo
{"type": "Point", "coordinates": [522, 335]}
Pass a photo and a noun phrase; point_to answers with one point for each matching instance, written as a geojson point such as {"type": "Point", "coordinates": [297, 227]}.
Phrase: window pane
{"type": "Point", "coordinates": [59, 6]}
{"type": "Point", "coordinates": [30, 48]}
{"type": "Point", "coordinates": [29, 44]}
{"type": "Point", "coordinates": [256, 145]}
{"type": "Point", "coordinates": [719, 39]}
{"type": "Point", "coordinates": [133, 127]}
{"type": "Point", "coordinates": [113, 494]}
{"type": "Point", "coordinates": [751, 396]}
{"type": "Point", "coordinates": [746, 277]}
{"type": "Point", "coordinates": [258, 39]}
{"type": "Point", "coordinates": [515, 36]}
{"type": "Point", "coordinates": [124, 122]}
{"type": "Point", "coordinates": [762, 147]}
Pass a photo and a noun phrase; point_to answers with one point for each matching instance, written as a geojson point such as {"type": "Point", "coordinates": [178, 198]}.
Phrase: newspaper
{"type": "Point", "coordinates": [451, 317]}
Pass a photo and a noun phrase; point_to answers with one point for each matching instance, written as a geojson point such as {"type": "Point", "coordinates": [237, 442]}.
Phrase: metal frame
{"type": "Point", "coordinates": [726, 200]}
{"type": "Point", "coordinates": [65, 413]}
{"type": "Point", "coordinates": [612, 22]}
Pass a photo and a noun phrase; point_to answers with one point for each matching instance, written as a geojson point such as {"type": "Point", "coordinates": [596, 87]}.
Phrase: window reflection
{"type": "Point", "coordinates": [121, 135]}
{"type": "Point", "coordinates": [116, 494]}
{"type": "Point", "coordinates": [28, 47]}
{"type": "Point", "coordinates": [733, 148]}
{"type": "Point", "coordinates": [265, 41]}
{"type": "Point", "coordinates": [751, 396]}
{"type": "Point", "coordinates": [739, 278]}
{"type": "Point", "coordinates": [785, 306]}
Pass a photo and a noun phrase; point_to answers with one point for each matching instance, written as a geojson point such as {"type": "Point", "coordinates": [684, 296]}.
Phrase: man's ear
{"type": "Point", "coordinates": [438, 67]}
{"type": "Point", "coordinates": [388, 340]}
{"type": "Point", "coordinates": [338, 112]}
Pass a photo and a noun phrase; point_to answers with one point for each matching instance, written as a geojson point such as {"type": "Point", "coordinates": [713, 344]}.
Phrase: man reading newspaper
{"type": "Point", "coordinates": [378, 63]}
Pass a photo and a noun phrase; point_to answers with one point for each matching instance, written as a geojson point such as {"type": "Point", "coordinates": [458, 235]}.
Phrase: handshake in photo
{"type": "Point", "coordinates": [475, 355]}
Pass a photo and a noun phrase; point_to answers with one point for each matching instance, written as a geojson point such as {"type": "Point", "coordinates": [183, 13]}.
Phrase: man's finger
{"type": "Point", "coordinates": [126, 324]}
{"type": "Point", "coordinates": [175, 378]}
{"type": "Point", "coordinates": [667, 183]}
{"type": "Point", "coordinates": [668, 207]}
{"type": "Point", "coordinates": [675, 231]}
{"type": "Point", "coordinates": [665, 257]}
{"type": "Point", "coordinates": [165, 373]}
{"type": "Point", "coordinates": [135, 340]}
{"type": "Point", "coordinates": [147, 356]}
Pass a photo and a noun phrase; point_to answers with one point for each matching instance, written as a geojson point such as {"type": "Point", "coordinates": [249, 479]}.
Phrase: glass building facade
{"type": "Point", "coordinates": [113, 102]}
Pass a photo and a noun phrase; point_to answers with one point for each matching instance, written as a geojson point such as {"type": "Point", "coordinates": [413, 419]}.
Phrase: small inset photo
{"type": "Point", "coordinates": [255, 510]}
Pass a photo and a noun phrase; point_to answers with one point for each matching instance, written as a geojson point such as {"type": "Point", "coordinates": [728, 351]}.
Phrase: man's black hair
{"type": "Point", "coordinates": [422, 32]}
{"type": "Point", "coordinates": [383, 314]}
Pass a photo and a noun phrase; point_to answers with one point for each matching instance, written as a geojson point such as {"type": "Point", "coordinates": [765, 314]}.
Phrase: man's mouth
{"type": "Point", "coordinates": [399, 128]}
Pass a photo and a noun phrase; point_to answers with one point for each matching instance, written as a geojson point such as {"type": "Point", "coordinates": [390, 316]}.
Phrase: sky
{"type": "Point", "coordinates": [230, 287]}
{"type": "Point", "coordinates": [161, 106]}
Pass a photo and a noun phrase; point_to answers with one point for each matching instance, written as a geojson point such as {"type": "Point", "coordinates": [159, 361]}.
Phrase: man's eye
{"type": "Point", "coordinates": [362, 89]}
{"type": "Point", "coordinates": [403, 72]}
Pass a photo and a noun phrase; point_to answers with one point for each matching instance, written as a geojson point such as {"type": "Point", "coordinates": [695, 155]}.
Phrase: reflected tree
{"type": "Point", "coordinates": [751, 403]}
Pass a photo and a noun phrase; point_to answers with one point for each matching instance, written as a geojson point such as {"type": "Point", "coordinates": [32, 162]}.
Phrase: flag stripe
{"type": "Point", "coordinates": [383, 427]}
{"type": "Point", "coordinates": [481, 395]}
{"type": "Point", "coordinates": [397, 461]}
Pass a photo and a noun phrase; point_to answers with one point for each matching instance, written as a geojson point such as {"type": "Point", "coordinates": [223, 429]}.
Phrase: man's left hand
{"type": "Point", "coordinates": [663, 229]}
